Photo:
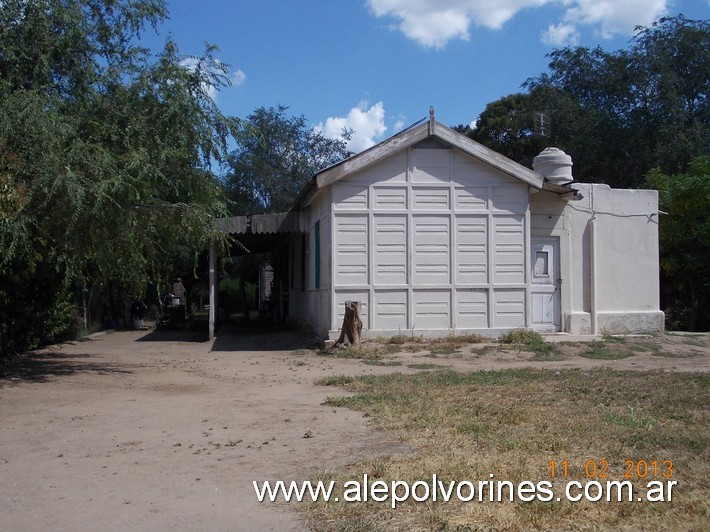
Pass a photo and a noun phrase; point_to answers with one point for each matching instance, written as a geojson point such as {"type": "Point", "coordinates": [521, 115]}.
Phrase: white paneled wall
{"type": "Point", "coordinates": [431, 239]}
{"type": "Point", "coordinates": [390, 250]}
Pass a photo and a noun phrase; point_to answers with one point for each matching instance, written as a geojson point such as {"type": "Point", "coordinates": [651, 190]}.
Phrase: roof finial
{"type": "Point", "coordinates": [432, 120]}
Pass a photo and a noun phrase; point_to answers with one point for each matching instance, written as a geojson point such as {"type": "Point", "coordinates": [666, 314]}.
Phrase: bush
{"type": "Point", "coordinates": [521, 336]}
{"type": "Point", "coordinates": [32, 315]}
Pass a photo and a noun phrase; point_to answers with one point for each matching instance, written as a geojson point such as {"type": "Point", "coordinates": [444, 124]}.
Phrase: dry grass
{"type": "Point", "coordinates": [517, 344]}
{"type": "Point", "coordinates": [454, 340]}
{"type": "Point", "coordinates": [374, 352]}
{"type": "Point", "coordinates": [512, 424]}
{"type": "Point", "coordinates": [520, 344]}
{"type": "Point", "coordinates": [532, 342]}
{"type": "Point", "coordinates": [601, 351]}
{"type": "Point", "coordinates": [366, 351]}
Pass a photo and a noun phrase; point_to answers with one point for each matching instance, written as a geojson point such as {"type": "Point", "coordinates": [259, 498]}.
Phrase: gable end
{"type": "Point", "coordinates": [432, 143]}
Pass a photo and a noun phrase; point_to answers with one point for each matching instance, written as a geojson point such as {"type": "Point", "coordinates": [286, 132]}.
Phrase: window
{"type": "Point", "coordinates": [541, 263]}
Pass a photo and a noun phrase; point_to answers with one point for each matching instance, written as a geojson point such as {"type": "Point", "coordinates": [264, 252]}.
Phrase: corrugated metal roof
{"type": "Point", "coordinates": [258, 224]}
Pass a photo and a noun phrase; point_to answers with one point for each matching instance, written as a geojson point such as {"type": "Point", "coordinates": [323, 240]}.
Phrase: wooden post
{"type": "Point", "coordinates": [352, 325]}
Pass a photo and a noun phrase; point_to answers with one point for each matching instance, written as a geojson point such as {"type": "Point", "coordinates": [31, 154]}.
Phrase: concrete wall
{"type": "Point", "coordinates": [624, 266]}
{"type": "Point", "coordinates": [609, 257]}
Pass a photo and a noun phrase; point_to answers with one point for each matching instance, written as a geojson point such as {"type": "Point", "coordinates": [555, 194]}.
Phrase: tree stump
{"type": "Point", "coordinates": [352, 325]}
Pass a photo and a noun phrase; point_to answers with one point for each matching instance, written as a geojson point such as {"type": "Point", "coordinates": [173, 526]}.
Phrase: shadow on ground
{"type": "Point", "coordinates": [174, 335]}
{"type": "Point", "coordinates": [260, 337]}
{"type": "Point", "coordinates": [43, 366]}
{"type": "Point", "coordinates": [256, 335]}
{"type": "Point", "coordinates": [191, 330]}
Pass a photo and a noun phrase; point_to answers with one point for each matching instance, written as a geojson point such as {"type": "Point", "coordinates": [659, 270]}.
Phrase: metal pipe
{"type": "Point", "coordinates": [593, 266]}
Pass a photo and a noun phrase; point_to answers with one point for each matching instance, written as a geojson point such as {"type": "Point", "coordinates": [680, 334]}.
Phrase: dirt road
{"type": "Point", "coordinates": [148, 431]}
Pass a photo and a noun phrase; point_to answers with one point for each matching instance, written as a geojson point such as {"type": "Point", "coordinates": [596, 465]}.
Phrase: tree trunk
{"type": "Point", "coordinates": [352, 325]}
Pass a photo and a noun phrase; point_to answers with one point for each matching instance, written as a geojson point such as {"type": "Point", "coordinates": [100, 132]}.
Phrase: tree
{"type": "Point", "coordinates": [685, 246]}
{"type": "Point", "coordinates": [508, 125]}
{"type": "Point", "coordinates": [276, 156]}
{"type": "Point", "coordinates": [671, 73]}
{"type": "Point", "coordinates": [618, 114]}
{"type": "Point", "coordinates": [105, 158]}
{"type": "Point", "coordinates": [635, 117]}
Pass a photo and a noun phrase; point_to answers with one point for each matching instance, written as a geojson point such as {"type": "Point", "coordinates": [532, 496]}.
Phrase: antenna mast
{"type": "Point", "coordinates": [542, 123]}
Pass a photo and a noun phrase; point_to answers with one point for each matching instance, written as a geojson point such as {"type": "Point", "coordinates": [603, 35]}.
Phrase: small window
{"type": "Point", "coordinates": [541, 264]}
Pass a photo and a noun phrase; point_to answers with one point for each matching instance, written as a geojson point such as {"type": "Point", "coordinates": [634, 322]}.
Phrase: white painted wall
{"type": "Point", "coordinates": [435, 242]}
{"type": "Point", "coordinates": [624, 289]}
{"type": "Point", "coordinates": [609, 257]}
{"type": "Point", "coordinates": [411, 242]}
{"type": "Point", "coordinates": [309, 302]}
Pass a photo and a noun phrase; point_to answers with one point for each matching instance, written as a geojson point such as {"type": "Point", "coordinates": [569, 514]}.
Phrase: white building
{"type": "Point", "coordinates": [436, 234]}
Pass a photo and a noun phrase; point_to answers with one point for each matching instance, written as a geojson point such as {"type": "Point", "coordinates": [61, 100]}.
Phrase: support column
{"type": "Point", "coordinates": [213, 292]}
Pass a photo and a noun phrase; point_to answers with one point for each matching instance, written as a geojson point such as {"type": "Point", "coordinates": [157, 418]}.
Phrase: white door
{"type": "Point", "coordinates": [546, 284]}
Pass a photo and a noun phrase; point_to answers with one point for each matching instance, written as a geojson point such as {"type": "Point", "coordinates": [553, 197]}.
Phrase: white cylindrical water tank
{"type": "Point", "coordinates": [555, 165]}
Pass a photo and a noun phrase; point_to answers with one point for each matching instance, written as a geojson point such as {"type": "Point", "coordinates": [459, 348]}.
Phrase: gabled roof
{"type": "Point", "coordinates": [409, 137]}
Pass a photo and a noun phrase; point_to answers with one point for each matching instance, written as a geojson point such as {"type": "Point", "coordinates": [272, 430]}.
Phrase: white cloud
{"type": "Point", "coordinates": [433, 23]}
{"type": "Point", "coordinates": [367, 125]}
{"type": "Point", "coordinates": [190, 63]}
{"type": "Point", "coordinates": [613, 17]}
{"type": "Point", "coordinates": [561, 35]}
{"type": "Point", "coordinates": [237, 77]}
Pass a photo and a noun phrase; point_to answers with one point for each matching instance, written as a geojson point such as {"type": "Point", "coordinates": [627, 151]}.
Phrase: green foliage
{"type": "Point", "coordinates": [521, 337]}
{"type": "Point", "coordinates": [507, 125]}
{"type": "Point", "coordinates": [32, 314]}
{"type": "Point", "coordinates": [685, 246]}
{"type": "Point", "coordinates": [236, 294]}
{"type": "Point", "coordinates": [600, 351]}
{"type": "Point", "coordinates": [612, 339]}
{"type": "Point", "coordinates": [277, 155]}
{"type": "Point", "coordinates": [336, 380]}
{"type": "Point", "coordinates": [533, 342]}
{"type": "Point", "coordinates": [618, 114]}
{"type": "Point", "coordinates": [105, 157]}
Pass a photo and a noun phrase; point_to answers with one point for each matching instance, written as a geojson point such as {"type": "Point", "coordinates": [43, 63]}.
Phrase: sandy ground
{"type": "Point", "coordinates": [154, 431]}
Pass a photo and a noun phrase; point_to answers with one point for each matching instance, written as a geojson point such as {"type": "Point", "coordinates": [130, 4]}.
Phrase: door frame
{"type": "Point", "coordinates": [554, 242]}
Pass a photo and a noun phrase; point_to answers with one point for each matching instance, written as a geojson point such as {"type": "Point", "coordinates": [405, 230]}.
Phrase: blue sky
{"type": "Point", "coordinates": [377, 65]}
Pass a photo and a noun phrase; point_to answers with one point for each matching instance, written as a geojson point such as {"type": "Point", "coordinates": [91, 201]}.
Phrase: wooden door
{"type": "Point", "coordinates": [545, 284]}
